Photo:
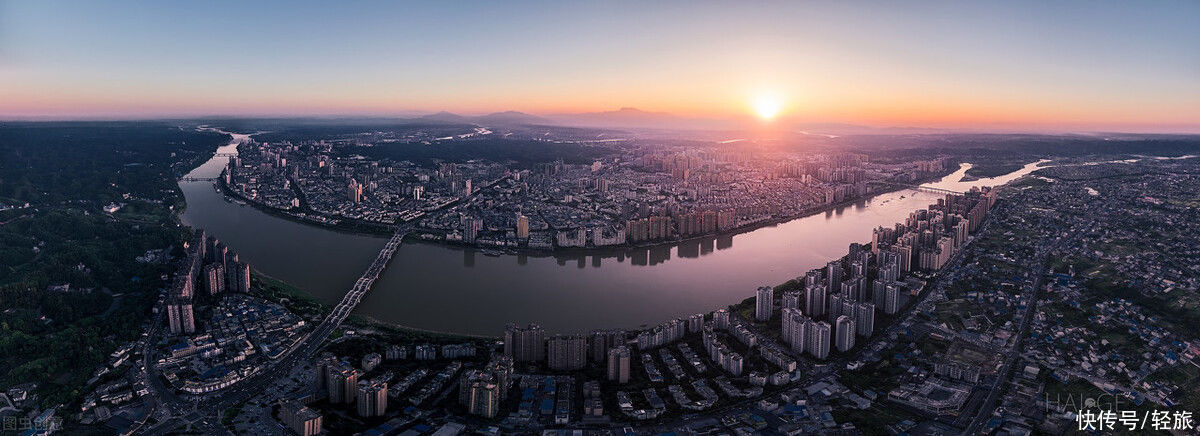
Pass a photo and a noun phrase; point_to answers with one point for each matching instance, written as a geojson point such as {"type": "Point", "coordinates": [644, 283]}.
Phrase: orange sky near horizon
{"type": "Point", "coordinates": [985, 65]}
{"type": "Point", "coordinates": [883, 111]}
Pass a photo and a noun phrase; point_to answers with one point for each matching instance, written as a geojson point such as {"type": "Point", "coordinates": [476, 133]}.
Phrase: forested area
{"type": "Point", "coordinates": [72, 286]}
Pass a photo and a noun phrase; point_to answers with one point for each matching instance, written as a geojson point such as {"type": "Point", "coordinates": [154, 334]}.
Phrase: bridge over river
{"type": "Point", "coordinates": [203, 413]}
{"type": "Point", "coordinates": [198, 179]}
{"type": "Point", "coordinates": [922, 188]}
{"type": "Point", "coordinates": [307, 347]}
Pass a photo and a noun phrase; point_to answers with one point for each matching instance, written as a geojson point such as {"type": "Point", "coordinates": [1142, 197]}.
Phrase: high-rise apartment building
{"type": "Point", "coordinates": [850, 309]}
{"type": "Point", "coordinates": [845, 333]}
{"type": "Point", "coordinates": [865, 319]}
{"type": "Point", "coordinates": [618, 364]}
{"type": "Point", "coordinates": [764, 303]}
{"type": "Point", "coordinates": [354, 191]}
{"type": "Point", "coordinates": [696, 323]}
{"type": "Point", "coordinates": [482, 391]}
{"type": "Point", "coordinates": [603, 340]}
{"type": "Point", "coordinates": [835, 307]}
{"type": "Point", "coordinates": [300, 419]}
{"type": "Point", "coordinates": [239, 277]}
{"type": "Point", "coordinates": [522, 227]}
{"type": "Point", "coordinates": [324, 364]}
{"type": "Point", "coordinates": [818, 340]}
{"type": "Point", "coordinates": [342, 383]}
{"type": "Point", "coordinates": [812, 278]}
{"type": "Point", "coordinates": [878, 291]}
{"type": "Point", "coordinates": [214, 278]}
{"type": "Point", "coordinates": [180, 319]}
{"type": "Point", "coordinates": [814, 301]}
{"type": "Point", "coordinates": [833, 274]}
{"type": "Point", "coordinates": [891, 300]}
{"type": "Point", "coordinates": [721, 319]}
{"type": "Point", "coordinates": [566, 352]}
{"type": "Point", "coordinates": [795, 329]}
{"type": "Point", "coordinates": [484, 399]}
{"type": "Point", "coordinates": [526, 344]}
{"type": "Point", "coordinates": [790, 300]}
{"type": "Point", "coordinates": [372, 398]}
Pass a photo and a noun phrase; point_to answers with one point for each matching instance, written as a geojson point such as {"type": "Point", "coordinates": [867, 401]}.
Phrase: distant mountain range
{"type": "Point", "coordinates": [626, 117]}
{"type": "Point", "coordinates": [633, 119]}
{"type": "Point", "coordinates": [507, 118]}
{"type": "Point", "coordinates": [637, 119]}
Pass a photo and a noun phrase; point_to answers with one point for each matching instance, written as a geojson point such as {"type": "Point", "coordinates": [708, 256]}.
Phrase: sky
{"type": "Point", "coordinates": [1063, 65]}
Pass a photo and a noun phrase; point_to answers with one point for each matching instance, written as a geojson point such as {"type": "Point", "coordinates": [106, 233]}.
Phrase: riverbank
{"type": "Point", "coordinates": [366, 323]}
{"type": "Point", "coordinates": [435, 288]}
{"type": "Point", "coordinates": [366, 228]}
{"type": "Point", "coordinates": [313, 310]}
{"type": "Point", "coordinates": [363, 228]}
{"type": "Point", "coordinates": [343, 226]}
{"type": "Point", "coordinates": [282, 291]}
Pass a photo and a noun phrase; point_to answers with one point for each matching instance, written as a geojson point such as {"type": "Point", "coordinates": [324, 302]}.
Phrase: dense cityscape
{"type": "Point", "coordinates": [599, 218]}
{"type": "Point", "coordinates": [632, 195]}
{"type": "Point", "coordinates": [989, 310]}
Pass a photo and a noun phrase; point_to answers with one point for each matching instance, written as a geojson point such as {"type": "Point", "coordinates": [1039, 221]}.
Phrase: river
{"type": "Point", "coordinates": [460, 290]}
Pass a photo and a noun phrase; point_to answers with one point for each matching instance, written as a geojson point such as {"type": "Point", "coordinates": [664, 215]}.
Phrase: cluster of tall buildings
{"type": "Point", "coordinates": [217, 270]}
{"type": "Point", "coordinates": [802, 334]}
{"type": "Point", "coordinates": [705, 222]}
{"type": "Point", "coordinates": [571, 238]}
{"type": "Point", "coordinates": [482, 391]}
{"type": "Point", "coordinates": [814, 319]}
{"type": "Point", "coordinates": [679, 165]}
{"type": "Point", "coordinates": [566, 352]}
{"type": "Point", "coordinates": [638, 205]}
{"type": "Point", "coordinates": [648, 229]}
{"type": "Point", "coordinates": [604, 340]}
{"type": "Point", "coordinates": [525, 344]}
{"type": "Point", "coordinates": [838, 303]}
{"type": "Point", "coordinates": [224, 272]}
{"type": "Point", "coordinates": [729, 360]}
{"type": "Point", "coordinates": [428, 351]}
{"type": "Point", "coordinates": [693, 223]}
{"type": "Point", "coordinates": [339, 381]}
{"type": "Point", "coordinates": [618, 364]}
{"type": "Point", "coordinates": [371, 398]}
{"type": "Point", "coordinates": [354, 191]}
{"type": "Point", "coordinates": [572, 352]}
{"type": "Point", "coordinates": [180, 316]}
{"type": "Point", "coordinates": [930, 237]}
{"type": "Point", "coordinates": [930, 166]}
{"type": "Point", "coordinates": [721, 319]}
{"type": "Point", "coordinates": [663, 334]}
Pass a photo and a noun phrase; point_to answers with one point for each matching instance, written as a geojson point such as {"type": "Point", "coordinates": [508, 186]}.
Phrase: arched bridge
{"type": "Point", "coordinates": [916, 187]}
{"type": "Point", "coordinates": [308, 345]}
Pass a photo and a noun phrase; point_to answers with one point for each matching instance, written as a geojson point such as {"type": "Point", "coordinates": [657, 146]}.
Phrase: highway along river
{"type": "Point", "coordinates": [457, 290]}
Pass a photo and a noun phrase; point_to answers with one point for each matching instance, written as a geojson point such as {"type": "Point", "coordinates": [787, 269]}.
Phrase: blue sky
{"type": "Point", "coordinates": [920, 63]}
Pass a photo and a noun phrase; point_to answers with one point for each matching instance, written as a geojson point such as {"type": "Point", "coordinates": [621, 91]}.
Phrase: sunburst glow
{"type": "Point", "coordinates": [767, 106]}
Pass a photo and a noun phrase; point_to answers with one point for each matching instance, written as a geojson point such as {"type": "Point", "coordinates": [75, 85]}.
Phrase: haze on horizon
{"type": "Point", "coordinates": [1012, 65]}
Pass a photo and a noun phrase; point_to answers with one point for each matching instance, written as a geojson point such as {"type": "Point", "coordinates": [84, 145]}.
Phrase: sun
{"type": "Point", "coordinates": [767, 106]}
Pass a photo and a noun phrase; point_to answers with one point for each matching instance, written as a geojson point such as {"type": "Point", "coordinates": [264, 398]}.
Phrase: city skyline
{"type": "Point", "coordinates": [612, 218]}
{"type": "Point", "coordinates": [979, 66]}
